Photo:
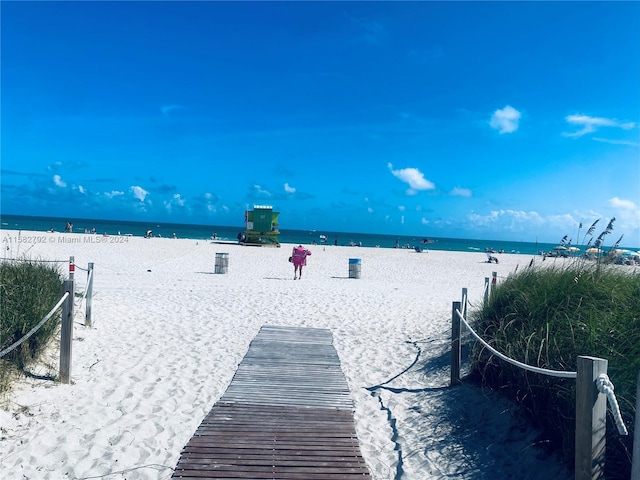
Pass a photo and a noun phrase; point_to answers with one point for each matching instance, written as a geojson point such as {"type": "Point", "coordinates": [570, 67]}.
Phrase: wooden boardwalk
{"type": "Point", "coordinates": [287, 414]}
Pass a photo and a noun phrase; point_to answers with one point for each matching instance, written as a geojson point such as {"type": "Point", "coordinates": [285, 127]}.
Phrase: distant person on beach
{"type": "Point", "coordinates": [299, 258]}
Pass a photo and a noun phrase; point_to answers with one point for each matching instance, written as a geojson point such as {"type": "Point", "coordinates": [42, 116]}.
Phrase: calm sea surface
{"type": "Point", "coordinates": [204, 232]}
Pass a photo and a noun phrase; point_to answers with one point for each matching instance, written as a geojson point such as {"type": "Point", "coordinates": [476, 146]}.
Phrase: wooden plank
{"type": "Point", "coordinates": [287, 414]}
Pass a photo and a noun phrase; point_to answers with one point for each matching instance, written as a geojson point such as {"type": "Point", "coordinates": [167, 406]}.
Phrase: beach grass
{"type": "Point", "coordinates": [28, 291]}
{"type": "Point", "coordinates": [549, 316]}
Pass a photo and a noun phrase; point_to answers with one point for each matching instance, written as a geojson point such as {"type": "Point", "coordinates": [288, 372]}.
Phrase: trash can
{"type": "Point", "coordinates": [354, 267]}
{"type": "Point", "coordinates": [222, 262]}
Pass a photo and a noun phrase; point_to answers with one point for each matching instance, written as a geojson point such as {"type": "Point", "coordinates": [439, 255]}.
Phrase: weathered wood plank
{"type": "Point", "coordinates": [287, 414]}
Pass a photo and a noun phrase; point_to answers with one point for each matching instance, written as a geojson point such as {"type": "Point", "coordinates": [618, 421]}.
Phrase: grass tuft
{"type": "Point", "coordinates": [28, 291]}
{"type": "Point", "coordinates": [547, 317]}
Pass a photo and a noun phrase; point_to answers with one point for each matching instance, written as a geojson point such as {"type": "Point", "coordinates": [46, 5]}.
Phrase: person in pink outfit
{"type": "Point", "coordinates": [299, 259]}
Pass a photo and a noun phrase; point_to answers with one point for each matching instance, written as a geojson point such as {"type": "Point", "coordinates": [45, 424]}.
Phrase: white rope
{"type": "Point", "coordinates": [86, 287]}
{"type": "Point", "coordinates": [33, 261]}
{"type": "Point", "coordinates": [606, 387]}
{"type": "Point", "coordinates": [524, 366]}
{"type": "Point", "coordinates": [34, 329]}
{"type": "Point", "coordinates": [603, 383]}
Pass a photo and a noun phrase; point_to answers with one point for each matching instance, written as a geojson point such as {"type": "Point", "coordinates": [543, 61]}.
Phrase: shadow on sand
{"type": "Point", "coordinates": [462, 432]}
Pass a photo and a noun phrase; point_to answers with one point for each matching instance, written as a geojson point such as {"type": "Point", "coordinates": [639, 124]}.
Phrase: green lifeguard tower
{"type": "Point", "coordinates": [261, 227]}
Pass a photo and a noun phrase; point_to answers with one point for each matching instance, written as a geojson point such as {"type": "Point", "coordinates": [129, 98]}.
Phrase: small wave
{"type": "Point", "coordinates": [473, 248]}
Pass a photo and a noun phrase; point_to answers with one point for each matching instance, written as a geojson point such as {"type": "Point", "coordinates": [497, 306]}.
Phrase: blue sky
{"type": "Point", "coordinates": [490, 120]}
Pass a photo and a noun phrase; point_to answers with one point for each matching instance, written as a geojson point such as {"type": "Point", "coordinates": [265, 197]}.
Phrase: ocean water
{"type": "Point", "coordinates": [230, 233]}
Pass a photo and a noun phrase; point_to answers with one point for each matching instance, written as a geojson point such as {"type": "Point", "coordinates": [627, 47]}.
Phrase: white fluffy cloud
{"type": "Point", "coordinates": [259, 190]}
{"type": "Point", "coordinates": [176, 201]}
{"type": "Point", "coordinates": [289, 189]}
{"type": "Point", "coordinates": [413, 177]}
{"type": "Point", "coordinates": [505, 120]}
{"type": "Point", "coordinates": [113, 193]}
{"type": "Point", "coordinates": [591, 124]}
{"type": "Point", "coordinates": [461, 192]}
{"type": "Point", "coordinates": [57, 179]}
{"type": "Point", "coordinates": [616, 202]}
{"type": "Point", "coordinates": [139, 192]}
{"type": "Point", "coordinates": [508, 216]}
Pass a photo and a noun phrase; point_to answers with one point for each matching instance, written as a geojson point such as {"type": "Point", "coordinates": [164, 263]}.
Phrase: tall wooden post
{"type": "Point", "coordinates": [89, 296]}
{"type": "Point", "coordinates": [66, 334]}
{"type": "Point", "coordinates": [455, 345]}
{"type": "Point", "coordinates": [635, 469]}
{"type": "Point", "coordinates": [465, 303]}
{"type": "Point", "coordinates": [591, 420]}
{"type": "Point", "coordinates": [494, 281]}
{"type": "Point", "coordinates": [486, 291]}
{"type": "Point", "coordinates": [72, 267]}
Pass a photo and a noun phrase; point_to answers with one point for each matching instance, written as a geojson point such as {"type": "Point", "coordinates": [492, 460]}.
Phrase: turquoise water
{"type": "Point", "coordinates": [230, 233]}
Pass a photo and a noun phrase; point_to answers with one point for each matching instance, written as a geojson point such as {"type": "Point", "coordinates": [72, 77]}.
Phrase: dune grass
{"type": "Point", "coordinates": [28, 291]}
{"type": "Point", "coordinates": [547, 316]}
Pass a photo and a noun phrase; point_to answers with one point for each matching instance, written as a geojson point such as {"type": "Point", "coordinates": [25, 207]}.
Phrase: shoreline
{"type": "Point", "coordinates": [229, 233]}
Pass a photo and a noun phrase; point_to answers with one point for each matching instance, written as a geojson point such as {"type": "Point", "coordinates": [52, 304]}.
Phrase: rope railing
{"type": "Point", "coordinates": [524, 366]}
{"type": "Point", "coordinates": [603, 383]}
{"type": "Point", "coordinates": [606, 387]}
{"type": "Point", "coordinates": [594, 391]}
{"type": "Point", "coordinates": [36, 328]}
{"type": "Point", "coordinates": [89, 275]}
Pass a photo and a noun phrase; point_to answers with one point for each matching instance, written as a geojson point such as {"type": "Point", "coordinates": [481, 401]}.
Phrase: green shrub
{"type": "Point", "coordinates": [547, 317]}
{"type": "Point", "coordinates": [28, 291]}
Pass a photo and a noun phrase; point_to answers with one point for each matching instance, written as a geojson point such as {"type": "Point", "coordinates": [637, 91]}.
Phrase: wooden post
{"type": "Point", "coordinates": [89, 296]}
{"type": "Point", "coordinates": [465, 299]}
{"type": "Point", "coordinates": [635, 468]}
{"type": "Point", "coordinates": [66, 334]}
{"type": "Point", "coordinates": [486, 291]}
{"type": "Point", "coordinates": [591, 420]}
{"type": "Point", "coordinates": [455, 345]}
{"type": "Point", "coordinates": [494, 281]}
{"type": "Point", "coordinates": [72, 267]}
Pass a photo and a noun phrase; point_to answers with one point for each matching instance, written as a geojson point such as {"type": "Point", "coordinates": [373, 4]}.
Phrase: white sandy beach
{"type": "Point", "coordinates": [168, 335]}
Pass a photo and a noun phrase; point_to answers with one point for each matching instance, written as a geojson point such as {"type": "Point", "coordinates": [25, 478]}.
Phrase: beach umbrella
{"type": "Point", "coordinates": [593, 250]}
{"type": "Point", "coordinates": [560, 247]}
{"type": "Point", "coordinates": [574, 249]}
